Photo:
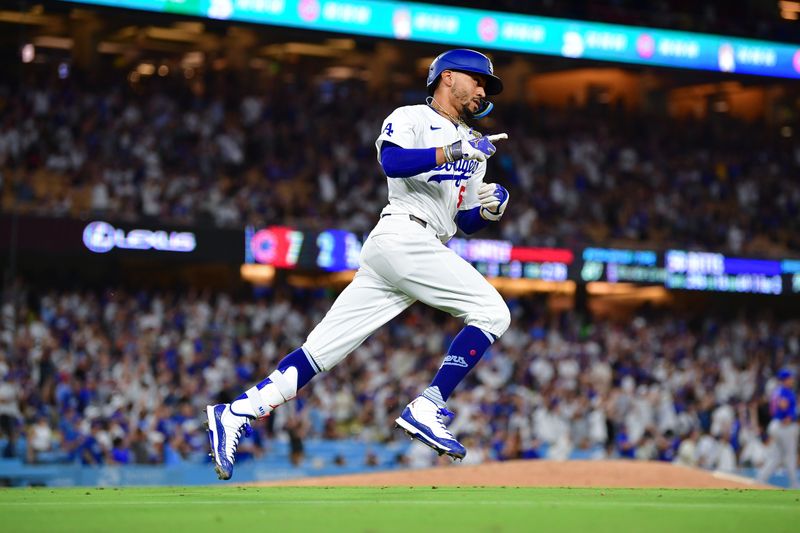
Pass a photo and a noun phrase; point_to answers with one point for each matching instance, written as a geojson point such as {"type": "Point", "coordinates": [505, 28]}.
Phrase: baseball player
{"type": "Point", "coordinates": [782, 430]}
{"type": "Point", "coordinates": [435, 166]}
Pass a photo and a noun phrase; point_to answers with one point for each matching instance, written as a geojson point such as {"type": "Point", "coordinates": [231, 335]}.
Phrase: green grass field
{"type": "Point", "coordinates": [245, 509]}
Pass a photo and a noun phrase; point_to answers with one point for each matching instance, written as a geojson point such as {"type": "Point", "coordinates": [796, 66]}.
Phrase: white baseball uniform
{"type": "Point", "coordinates": [404, 260]}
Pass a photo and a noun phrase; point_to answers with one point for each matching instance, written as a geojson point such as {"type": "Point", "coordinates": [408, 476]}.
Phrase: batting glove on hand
{"type": "Point", "coordinates": [493, 199]}
{"type": "Point", "coordinates": [479, 149]}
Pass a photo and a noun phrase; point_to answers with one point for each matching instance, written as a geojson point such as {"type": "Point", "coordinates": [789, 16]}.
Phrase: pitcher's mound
{"type": "Point", "coordinates": [630, 474]}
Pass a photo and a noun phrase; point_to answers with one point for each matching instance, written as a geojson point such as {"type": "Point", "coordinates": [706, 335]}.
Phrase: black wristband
{"type": "Point", "coordinates": [456, 152]}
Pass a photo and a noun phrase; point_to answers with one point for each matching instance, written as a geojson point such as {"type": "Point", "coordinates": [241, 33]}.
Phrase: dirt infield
{"type": "Point", "coordinates": [630, 474]}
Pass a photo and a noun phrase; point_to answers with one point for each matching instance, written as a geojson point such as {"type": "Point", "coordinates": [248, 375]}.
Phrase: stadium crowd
{"type": "Point", "coordinates": [118, 377]}
{"type": "Point", "coordinates": [304, 155]}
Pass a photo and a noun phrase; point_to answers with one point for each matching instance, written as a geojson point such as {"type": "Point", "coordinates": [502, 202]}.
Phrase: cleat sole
{"type": "Point", "coordinates": [416, 435]}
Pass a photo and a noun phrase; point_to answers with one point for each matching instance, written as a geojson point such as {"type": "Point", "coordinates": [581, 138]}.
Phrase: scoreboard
{"type": "Point", "coordinates": [619, 265]}
{"type": "Point", "coordinates": [334, 250]}
{"type": "Point", "coordinates": [690, 270]}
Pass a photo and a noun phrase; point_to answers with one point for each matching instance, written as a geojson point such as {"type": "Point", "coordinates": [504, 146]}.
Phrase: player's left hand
{"type": "Point", "coordinates": [493, 199]}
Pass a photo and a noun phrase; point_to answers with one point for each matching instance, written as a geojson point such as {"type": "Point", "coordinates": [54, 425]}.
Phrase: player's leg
{"type": "Point", "coordinates": [773, 453]}
{"type": "Point", "coordinates": [364, 305]}
{"type": "Point", "coordinates": [465, 294]}
{"type": "Point", "coordinates": [790, 449]}
{"type": "Point", "coordinates": [438, 277]}
{"type": "Point", "coordinates": [425, 414]}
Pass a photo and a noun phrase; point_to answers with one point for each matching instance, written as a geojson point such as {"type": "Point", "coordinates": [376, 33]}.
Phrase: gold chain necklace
{"type": "Point", "coordinates": [457, 121]}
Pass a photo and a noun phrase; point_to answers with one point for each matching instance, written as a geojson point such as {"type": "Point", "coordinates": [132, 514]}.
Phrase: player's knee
{"type": "Point", "coordinates": [494, 317]}
{"type": "Point", "coordinates": [503, 318]}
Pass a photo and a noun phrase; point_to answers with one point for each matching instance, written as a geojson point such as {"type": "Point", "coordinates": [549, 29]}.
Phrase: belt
{"type": "Point", "coordinates": [411, 217]}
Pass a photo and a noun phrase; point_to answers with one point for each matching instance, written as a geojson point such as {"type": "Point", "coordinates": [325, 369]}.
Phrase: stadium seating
{"type": "Point", "coordinates": [236, 159]}
{"type": "Point", "coordinates": [113, 378]}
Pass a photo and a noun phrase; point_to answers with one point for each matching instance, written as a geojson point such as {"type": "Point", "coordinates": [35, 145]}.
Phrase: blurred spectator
{"type": "Point", "coordinates": [120, 453]}
{"type": "Point", "coordinates": [130, 372]}
{"type": "Point", "coordinates": [371, 460]}
{"type": "Point", "coordinates": [296, 430]}
{"type": "Point", "coordinates": [40, 439]}
{"type": "Point", "coordinates": [231, 158]}
{"type": "Point", "coordinates": [139, 448]}
{"type": "Point", "coordinates": [687, 451]}
{"type": "Point", "coordinates": [626, 447]}
{"type": "Point", "coordinates": [9, 411]}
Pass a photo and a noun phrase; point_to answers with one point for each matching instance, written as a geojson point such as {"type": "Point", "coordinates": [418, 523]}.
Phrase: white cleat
{"type": "Point", "coordinates": [424, 420]}
{"type": "Point", "coordinates": [224, 431]}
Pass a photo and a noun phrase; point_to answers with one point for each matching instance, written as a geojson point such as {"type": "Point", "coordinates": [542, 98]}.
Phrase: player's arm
{"type": "Point", "coordinates": [470, 220]}
{"type": "Point", "coordinates": [786, 406]}
{"type": "Point", "coordinates": [399, 162]}
{"type": "Point", "coordinates": [493, 199]}
{"type": "Point", "coordinates": [397, 146]}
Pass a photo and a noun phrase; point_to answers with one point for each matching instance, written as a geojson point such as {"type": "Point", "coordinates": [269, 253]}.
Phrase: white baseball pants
{"type": "Point", "coordinates": [782, 451]}
{"type": "Point", "coordinates": [402, 262]}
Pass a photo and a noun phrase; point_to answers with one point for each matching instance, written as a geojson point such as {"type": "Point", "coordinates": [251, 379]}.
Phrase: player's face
{"type": "Point", "coordinates": [467, 91]}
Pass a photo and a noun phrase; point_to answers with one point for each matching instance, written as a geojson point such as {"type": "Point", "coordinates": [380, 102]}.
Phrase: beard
{"type": "Point", "coordinates": [464, 112]}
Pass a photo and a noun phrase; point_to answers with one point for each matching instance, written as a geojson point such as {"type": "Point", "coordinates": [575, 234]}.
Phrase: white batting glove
{"type": "Point", "coordinates": [493, 199]}
{"type": "Point", "coordinates": [479, 149]}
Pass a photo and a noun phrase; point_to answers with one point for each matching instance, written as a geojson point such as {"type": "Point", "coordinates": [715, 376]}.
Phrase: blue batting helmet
{"type": "Point", "coordinates": [464, 60]}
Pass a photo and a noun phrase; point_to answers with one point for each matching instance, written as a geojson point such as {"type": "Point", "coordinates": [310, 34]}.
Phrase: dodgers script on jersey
{"type": "Point", "coordinates": [437, 195]}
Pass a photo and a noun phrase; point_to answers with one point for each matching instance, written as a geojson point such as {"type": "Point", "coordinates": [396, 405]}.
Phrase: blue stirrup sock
{"type": "Point", "coordinates": [294, 372]}
{"type": "Point", "coordinates": [465, 351]}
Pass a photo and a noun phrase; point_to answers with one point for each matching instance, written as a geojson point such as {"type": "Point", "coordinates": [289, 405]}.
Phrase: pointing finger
{"type": "Point", "coordinates": [497, 137]}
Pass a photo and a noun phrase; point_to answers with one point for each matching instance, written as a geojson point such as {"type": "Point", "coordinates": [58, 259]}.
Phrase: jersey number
{"type": "Point", "coordinates": [388, 130]}
{"type": "Point", "coordinates": [461, 195]}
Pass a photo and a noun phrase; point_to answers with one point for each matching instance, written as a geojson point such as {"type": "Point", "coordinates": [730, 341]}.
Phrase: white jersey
{"type": "Point", "coordinates": [437, 195]}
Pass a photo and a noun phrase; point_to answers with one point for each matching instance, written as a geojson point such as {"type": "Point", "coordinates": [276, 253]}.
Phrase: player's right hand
{"type": "Point", "coordinates": [478, 149]}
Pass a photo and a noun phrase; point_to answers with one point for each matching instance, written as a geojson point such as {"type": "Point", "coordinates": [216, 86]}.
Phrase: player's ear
{"type": "Point", "coordinates": [447, 78]}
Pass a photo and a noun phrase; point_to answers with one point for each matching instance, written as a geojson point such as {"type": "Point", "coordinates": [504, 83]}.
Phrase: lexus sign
{"type": "Point", "coordinates": [101, 237]}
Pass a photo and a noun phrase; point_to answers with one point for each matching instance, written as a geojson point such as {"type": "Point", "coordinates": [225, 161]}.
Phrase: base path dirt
{"type": "Point", "coordinates": [631, 474]}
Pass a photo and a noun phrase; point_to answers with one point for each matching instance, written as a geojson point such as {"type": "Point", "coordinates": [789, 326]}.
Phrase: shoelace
{"type": "Point", "coordinates": [440, 414]}
{"type": "Point", "coordinates": [248, 430]}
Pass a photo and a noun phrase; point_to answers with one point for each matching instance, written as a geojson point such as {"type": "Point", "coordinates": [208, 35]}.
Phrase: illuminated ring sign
{"type": "Point", "coordinates": [101, 237]}
{"type": "Point", "coordinates": [277, 246]}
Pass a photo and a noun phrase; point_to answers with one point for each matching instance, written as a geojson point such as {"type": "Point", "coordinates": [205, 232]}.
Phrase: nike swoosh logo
{"type": "Point", "coordinates": [433, 129]}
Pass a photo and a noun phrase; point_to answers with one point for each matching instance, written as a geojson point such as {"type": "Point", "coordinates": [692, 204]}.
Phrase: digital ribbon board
{"type": "Point", "coordinates": [691, 270]}
{"type": "Point", "coordinates": [335, 250]}
{"type": "Point", "coordinates": [494, 259]}
{"type": "Point", "coordinates": [500, 31]}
